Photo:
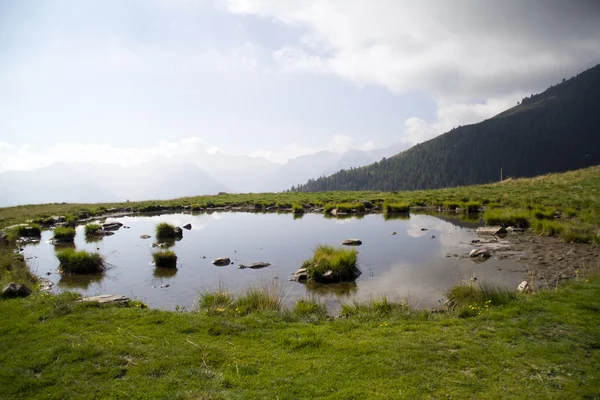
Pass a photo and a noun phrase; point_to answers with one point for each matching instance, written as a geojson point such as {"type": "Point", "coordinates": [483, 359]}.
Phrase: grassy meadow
{"type": "Point", "coordinates": [486, 343]}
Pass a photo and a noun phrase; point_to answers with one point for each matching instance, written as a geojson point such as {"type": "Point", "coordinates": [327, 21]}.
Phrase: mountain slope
{"type": "Point", "coordinates": [557, 130]}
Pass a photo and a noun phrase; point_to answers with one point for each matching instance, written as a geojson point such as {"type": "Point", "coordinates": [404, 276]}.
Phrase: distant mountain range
{"type": "Point", "coordinates": [213, 173]}
{"type": "Point", "coordinates": [554, 131]}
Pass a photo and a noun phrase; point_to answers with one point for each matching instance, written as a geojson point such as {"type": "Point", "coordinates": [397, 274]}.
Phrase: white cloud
{"type": "Point", "coordinates": [472, 58]}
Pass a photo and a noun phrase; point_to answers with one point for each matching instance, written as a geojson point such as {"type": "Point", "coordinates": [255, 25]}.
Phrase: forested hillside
{"type": "Point", "coordinates": [554, 131]}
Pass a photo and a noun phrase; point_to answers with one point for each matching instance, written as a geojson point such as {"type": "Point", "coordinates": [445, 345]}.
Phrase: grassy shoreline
{"type": "Point", "coordinates": [542, 345]}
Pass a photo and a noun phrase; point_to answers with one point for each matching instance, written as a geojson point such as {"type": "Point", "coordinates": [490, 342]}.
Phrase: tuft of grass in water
{"type": "Point", "coordinates": [297, 209]}
{"type": "Point", "coordinates": [166, 231]}
{"type": "Point", "coordinates": [165, 259]}
{"type": "Point", "coordinates": [340, 261]}
{"type": "Point", "coordinates": [80, 262]}
{"type": "Point", "coordinates": [396, 208]}
{"type": "Point", "coordinates": [32, 230]}
{"type": "Point", "coordinates": [64, 234]}
{"type": "Point", "coordinates": [91, 229]}
{"type": "Point", "coordinates": [470, 299]}
{"type": "Point", "coordinates": [507, 217]}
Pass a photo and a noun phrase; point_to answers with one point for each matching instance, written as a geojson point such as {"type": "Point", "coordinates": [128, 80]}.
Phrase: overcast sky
{"type": "Point", "coordinates": [125, 80]}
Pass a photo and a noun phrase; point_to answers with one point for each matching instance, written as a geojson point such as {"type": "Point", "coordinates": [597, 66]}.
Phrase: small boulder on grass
{"type": "Point", "coordinates": [168, 231]}
{"type": "Point", "coordinates": [64, 234]}
{"type": "Point", "coordinates": [165, 259]}
{"type": "Point", "coordinates": [80, 262]}
{"type": "Point", "coordinates": [329, 265]}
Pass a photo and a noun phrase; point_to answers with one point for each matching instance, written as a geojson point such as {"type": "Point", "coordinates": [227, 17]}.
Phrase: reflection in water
{"type": "Point", "coordinates": [164, 272]}
{"type": "Point", "coordinates": [393, 216]}
{"type": "Point", "coordinates": [298, 216]}
{"type": "Point", "coordinates": [64, 245]}
{"type": "Point", "coordinates": [93, 239]}
{"type": "Point", "coordinates": [412, 263]}
{"type": "Point", "coordinates": [79, 281]}
{"type": "Point", "coordinates": [344, 216]}
{"type": "Point", "coordinates": [339, 290]}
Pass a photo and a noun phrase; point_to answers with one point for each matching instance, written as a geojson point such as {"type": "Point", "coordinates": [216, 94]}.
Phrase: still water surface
{"type": "Point", "coordinates": [414, 264]}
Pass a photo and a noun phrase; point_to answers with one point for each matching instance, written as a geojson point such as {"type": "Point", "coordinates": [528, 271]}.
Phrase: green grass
{"type": "Point", "coordinates": [543, 214]}
{"type": "Point", "coordinates": [166, 231]}
{"type": "Point", "coordinates": [165, 259]}
{"type": "Point", "coordinates": [80, 262]}
{"type": "Point", "coordinates": [341, 261]}
{"type": "Point", "coordinates": [350, 207]}
{"type": "Point", "coordinates": [396, 208]}
{"type": "Point", "coordinates": [507, 217]}
{"type": "Point", "coordinates": [297, 209]}
{"type": "Point", "coordinates": [220, 302]}
{"type": "Point", "coordinates": [542, 345]}
{"type": "Point", "coordinates": [548, 227]}
{"type": "Point", "coordinates": [91, 229]}
{"type": "Point", "coordinates": [471, 299]}
{"type": "Point", "coordinates": [31, 230]}
{"type": "Point", "coordinates": [471, 207]}
{"type": "Point", "coordinates": [451, 205]}
{"type": "Point", "coordinates": [14, 269]}
{"type": "Point", "coordinates": [64, 234]}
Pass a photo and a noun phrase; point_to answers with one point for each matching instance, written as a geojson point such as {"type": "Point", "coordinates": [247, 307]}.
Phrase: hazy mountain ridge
{"type": "Point", "coordinates": [213, 173]}
{"type": "Point", "coordinates": [554, 131]}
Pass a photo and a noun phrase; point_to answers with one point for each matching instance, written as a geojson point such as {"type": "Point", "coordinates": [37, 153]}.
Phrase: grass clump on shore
{"type": "Point", "coordinates": [380, 307]}
{"type": "Point", "coordinates": [92, 229]}
{"type": "Point", "coordinates": [332, 264]}
{"type": "Point", "coordinates": [472, 299]}
{"type": "Point", "coordinates": [80, 262]}
{"type": "Point", "coordinates": [350, 207]}
{"type": "Point", "coordinates": [167, 231]}
{"type": "Point", "coordinates": [472, 207]}
{"type": "Point", "coordinates": [297, 209]}
{"type": "Point", "coordinates": [253, 299]}
{"type": "Point", "coordinates": [64, 234]}
{"type": "Point", "coordinates": [165, 259]}
{"type": "Point", "coordinates": [507, 217]}
{"type": "Point", "coordinates": [546, 227]}
{"type": "Point", "coordinates": [396, 208]}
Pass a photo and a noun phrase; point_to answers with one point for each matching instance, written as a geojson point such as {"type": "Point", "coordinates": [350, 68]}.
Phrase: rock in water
{"type": "Point", "coordinates": [16, 290]}
{"type": "Point", "coordinates": [111, 226]}
{"type": "Point", "coordinates": [483, 253]}
{"type": "Point", "coordinates": [491, 230]}
{"type": "Point", "coordinates": [352, 242]}
{"type": "Point", "coordinates": [145, 236]}
{"type": "Point", "coordinates": [256, 265]}
{"type": "Point", "coordinates": [187, 226]}
{"type": "Point", "coordinates": [221, 261]}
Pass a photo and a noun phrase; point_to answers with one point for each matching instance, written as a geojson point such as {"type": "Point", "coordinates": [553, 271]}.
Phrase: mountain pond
{"type": "Point", "coordinates": [415, 258]}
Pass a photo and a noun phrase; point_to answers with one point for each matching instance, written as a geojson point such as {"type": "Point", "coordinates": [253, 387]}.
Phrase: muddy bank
{"type": "Point", "coordinates": [545, 261]}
